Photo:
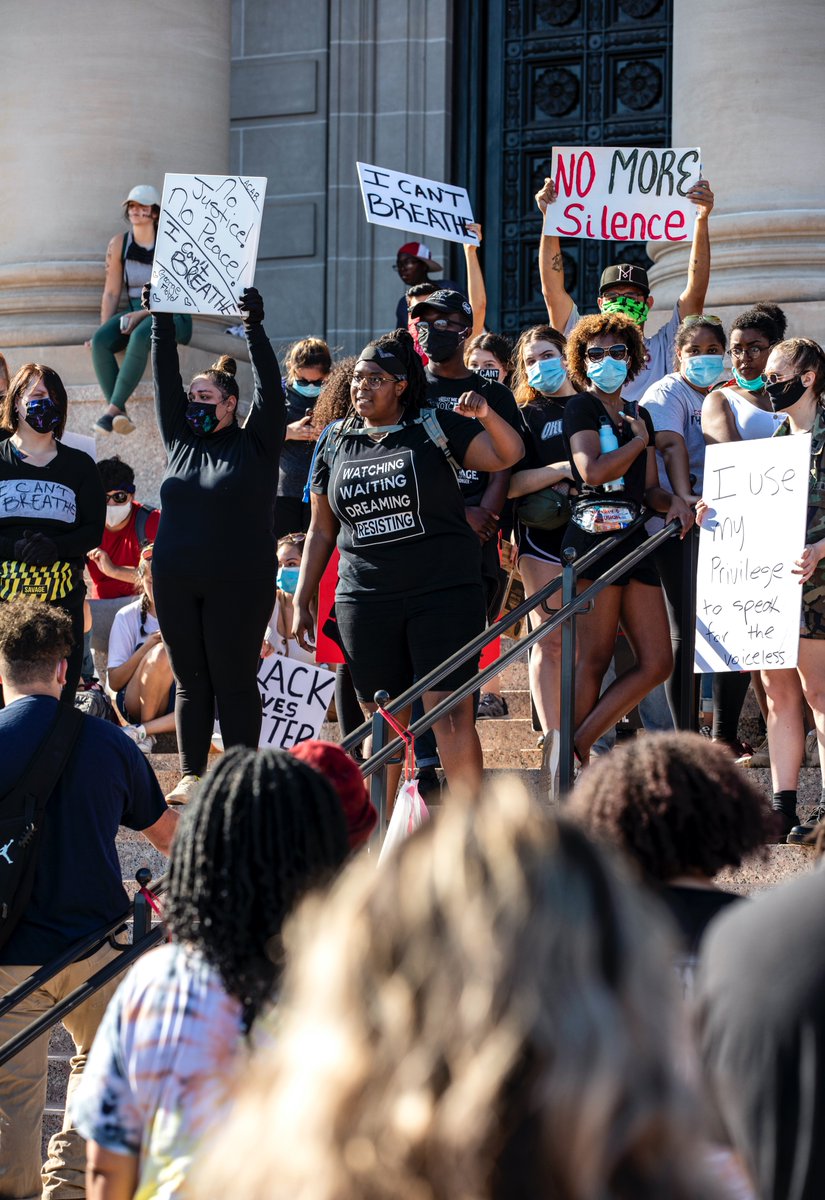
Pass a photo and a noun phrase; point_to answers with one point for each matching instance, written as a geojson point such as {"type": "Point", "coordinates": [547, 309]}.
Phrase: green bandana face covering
{"type": "Point", "coordinates": [750, 385]}
{"type": "Point", "coordinates": [637, 310]}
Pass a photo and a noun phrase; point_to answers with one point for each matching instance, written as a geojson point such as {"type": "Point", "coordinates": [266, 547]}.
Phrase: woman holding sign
{"type": "Point", "coordinates": [214, 559]}
{"type": "Point", "coordinates": [610, 447]}
{"type": "Point", "coordinates": [384, 487]}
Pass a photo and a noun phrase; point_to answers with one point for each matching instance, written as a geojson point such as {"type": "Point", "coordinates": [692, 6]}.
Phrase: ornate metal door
{"type": "Point", "coordinates": [551, 72]}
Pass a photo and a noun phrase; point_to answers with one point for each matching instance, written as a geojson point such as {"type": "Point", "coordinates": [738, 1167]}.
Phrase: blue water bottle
{"type": "Point", "coordinates": [607, 442]}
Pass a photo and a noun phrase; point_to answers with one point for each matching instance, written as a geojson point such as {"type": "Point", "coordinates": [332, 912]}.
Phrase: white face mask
{"type": "Point", "coordinates": [115, 513]}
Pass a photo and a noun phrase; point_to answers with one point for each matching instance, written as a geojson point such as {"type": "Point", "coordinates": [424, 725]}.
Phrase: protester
{"type": "Point", "coordinates": [278, 638]}
{"type": "Point", "coordinates": [77, 885]}
{"type": "Point", "coordinates": [488, 352]}
{"type": "Point", "coordinates": [610, 488]}
{"type": "Point", "coordinates": [760, 1020]}
{"type": "Point", "coordinates": [113, 565]}
{"type": "Point", "coordinates": [263, 830]}
{"type": "Point", "coordinates": [54, 508]}
{"type": "Point", "coordinates": [542, 389]}
{"type": "Point", "coordinates": [139, 670]}
{"type": "Point", "coordinates": [345, 776]}
{"type": "Point", "coordinates": [624, 288]}
{"type": "Point", "coordinates": [409, 591]}
{"type": "Point", "coordinates": [414, 262]}
{"type": "Point", "coordinates": [308, 364]}
{"type": "Point", "coordinates": [675, 407]}
{"type": "Point", "coordinates": [214, 556]}
{"type": "Point", "coordinates": [488, 1015]}
{"type": "Point", "coordinates": [741, 410]}
{"type": "Point", "coordinates": [795, 374]}
{"type": "Point", "coordinates": [681, 811]}
{"type": "Point", "coordinates": [129, 259]}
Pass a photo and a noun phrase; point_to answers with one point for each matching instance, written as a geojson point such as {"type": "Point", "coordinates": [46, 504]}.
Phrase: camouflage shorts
{"type": "Point", "coordinates": [813, 609]}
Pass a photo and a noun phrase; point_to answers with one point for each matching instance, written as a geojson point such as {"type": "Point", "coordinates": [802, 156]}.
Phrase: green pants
{"type": "Point", "coordinates": [118, 383]}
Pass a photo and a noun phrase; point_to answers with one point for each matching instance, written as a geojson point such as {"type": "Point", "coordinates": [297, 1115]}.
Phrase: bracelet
{"type": "Point", "coordinates": [641, 439]}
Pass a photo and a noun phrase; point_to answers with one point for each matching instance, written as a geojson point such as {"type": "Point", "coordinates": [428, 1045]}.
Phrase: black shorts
{"type": "Point", "coordinates": [581, 541]}
{"type": "Point", "coordinates": [543, 544]}
{"type": "Point", "coordinates": [390, 643]}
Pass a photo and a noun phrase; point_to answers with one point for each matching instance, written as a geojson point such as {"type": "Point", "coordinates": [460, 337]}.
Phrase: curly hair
{"type": "Point", "coordinates": [599, 325]}
{"type": "Point", "coordinates": [334, 401]}
{"type": "Point", "coordinates": [401, 344]}
{"type": "Point", "coordinates": [769, 319]}
{"type": "Point", "coordinates": [33, 639]}
{"type": "Point", "coordinates": [115, 473]}
{"type": "Point", "coordinates": [675, 803]}
{"type": "Point", "coordinates": [487, 1016]}
{"type": "Point", "coordinates": [21, 384]}
{"type": "Point", "coordinates": [522, 391]}
{"type": "Point", "coordinates": [263, 829]}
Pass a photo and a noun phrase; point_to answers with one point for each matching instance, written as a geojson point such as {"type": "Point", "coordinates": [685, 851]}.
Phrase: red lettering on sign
{"type": "Point", "coordinates": [571, 216]}
{"type": "Point", "coordinates": [678, 220]}
{"type": "Point", "coordinates": [573, 175]}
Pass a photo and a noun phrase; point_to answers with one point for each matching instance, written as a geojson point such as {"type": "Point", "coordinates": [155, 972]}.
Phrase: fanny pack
{"type": "Point", "coordinates": [603, 516]}
{"type": "Point", "coordinates": [546, 509]}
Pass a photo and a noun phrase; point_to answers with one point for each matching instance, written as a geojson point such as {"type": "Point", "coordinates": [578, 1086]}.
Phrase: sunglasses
{"type": "Point", "coordinates": [119, 497]}
{"type": "Point", "coordinates": [702, 319]}
{"type": "Point", "coordinates": [597, 353]}
{"type": "Point", "coordinates": [146, 552]}
{"type": "Point", "coordinates": [292, 539]}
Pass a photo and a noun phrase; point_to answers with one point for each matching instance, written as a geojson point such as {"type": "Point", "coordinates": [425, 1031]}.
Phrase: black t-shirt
{"type": "Point", "coordinates": [586, 411]}
{"type": "Point", "coordinates": [218, 493]}
{"type": "Point", "coordinates": [64, 501]}
{"type": "Point", "coordinates": [543, 446]}
{"type": "Point", "coordinates": [445, 393]}
{"type": "Point", "coordinates": [108, 782]}
{"type": "Point", "coordinates": [296, 456]}
{"type": "Point", "coordinates": [403, 528]}
{"type": "Point", "coordinates": [693, 909]}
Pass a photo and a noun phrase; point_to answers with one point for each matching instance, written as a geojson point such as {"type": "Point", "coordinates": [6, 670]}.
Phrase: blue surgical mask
{"type": "Point", "coordinates": [750, 385]}
{"type": "Point", "coordinates": [310, 391]}
{"type": "Point", "coordinates": [287, 579]}
{"type": "Point", "coordinates": [704, 370]}
{"type": "Point", "coordinates": [609, 374]}
{"type": "Point", "coordinates": [547, 375]}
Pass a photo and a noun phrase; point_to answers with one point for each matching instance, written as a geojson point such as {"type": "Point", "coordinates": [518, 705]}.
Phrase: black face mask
{"type": "Point", "coordinates": [786, 392]}
{"type": "Point", "coordinates": [43, 415]}
{"type": "Point", "coordinates": [201, 418]}
{"type": "Point", "coordinates": [438, 344]}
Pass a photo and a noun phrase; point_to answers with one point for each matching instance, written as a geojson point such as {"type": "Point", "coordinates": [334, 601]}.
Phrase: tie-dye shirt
{"type": "Point", "coordinates": [161, 1068]}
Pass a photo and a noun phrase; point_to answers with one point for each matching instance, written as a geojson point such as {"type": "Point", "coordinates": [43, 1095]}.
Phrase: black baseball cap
{"type": "Point", "coordinates": [443, 301]}
{"type": "Point", "coordinates": [624, 273]}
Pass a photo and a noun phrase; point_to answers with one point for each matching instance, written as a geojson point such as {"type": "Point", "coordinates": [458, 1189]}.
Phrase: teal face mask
{"type": "Point", "coordinates": [609, 374]}
{"type": "Point", "coordinates": [750, 385]}
{"type": "Point", "coordinates": [547, 375]}
{"type": "Point", "coordinates": [310, 391]}
{"type": "Point", "coordinates": [287, 579]}
{"type": "Point", "coordinates": [704, 370]}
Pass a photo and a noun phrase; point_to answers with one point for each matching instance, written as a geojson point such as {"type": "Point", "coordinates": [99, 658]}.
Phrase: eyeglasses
{"type": "Point", "coordinates": [702, 319]}
{"type": "Point", "coordinates": [773, 378]}
{"type": "Point", "coordinates": [597, 353]}
{"type": "Point", "coordinates": [442, 323]}
{"type": "Point", "coordinates": [119, 497]}
{"type": "Point", "coordinates": [292, 539]}
{"type": "Point", "coordinates": [146, 552]}
{"type": "Point", "coordinates": [752, 351]}
{"type": "Point", "coordinates": [373, 382]}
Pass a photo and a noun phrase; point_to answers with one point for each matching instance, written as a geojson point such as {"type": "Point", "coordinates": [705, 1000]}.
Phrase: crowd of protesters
{"type": "Point", "coordinates": [502, 1009]}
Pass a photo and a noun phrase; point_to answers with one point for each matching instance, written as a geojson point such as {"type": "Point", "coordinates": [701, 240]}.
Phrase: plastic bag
{"type": "Point", "coordinates": [409, 813]}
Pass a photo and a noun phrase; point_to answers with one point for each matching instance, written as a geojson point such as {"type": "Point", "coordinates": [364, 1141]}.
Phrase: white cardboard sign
{"type": "Point", "coordinates": [747, 600]}
{"type": "Point", "coordinates": [623, 194]}
{"type": "Point", "coordinates": [207, 242]}
{"type": "Point", "coordinates": [296, 697]}
{"type": "Point", "coordinates": [417, 205]}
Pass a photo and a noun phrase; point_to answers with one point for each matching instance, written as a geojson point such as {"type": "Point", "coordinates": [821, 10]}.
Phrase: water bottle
{"type": "Point", "coordinates": [607, 442]}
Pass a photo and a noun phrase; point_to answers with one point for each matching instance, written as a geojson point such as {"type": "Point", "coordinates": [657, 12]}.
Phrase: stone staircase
{"type": "Point", "coordinates": [509, 746]}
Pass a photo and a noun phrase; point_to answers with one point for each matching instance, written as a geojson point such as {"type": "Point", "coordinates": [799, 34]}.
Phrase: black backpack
{"type": "Point", "coordinates": [22, 815]}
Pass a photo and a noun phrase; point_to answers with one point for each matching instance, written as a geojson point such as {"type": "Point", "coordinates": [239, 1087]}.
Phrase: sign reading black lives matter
{"type": "Point", "coordinates": [207, 242]}
{"type": "Point", "coordinates": [416, 205]}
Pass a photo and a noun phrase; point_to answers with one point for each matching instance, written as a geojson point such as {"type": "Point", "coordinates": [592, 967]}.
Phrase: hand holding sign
{"type": "Point", "coordinates": [809, 560]}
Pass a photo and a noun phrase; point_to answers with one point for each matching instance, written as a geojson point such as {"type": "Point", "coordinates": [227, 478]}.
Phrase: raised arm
{"type": "Point", "coordinates": [551, 267]}
{"type": "Point", "coordinates": [266, 419]}
{"type": "Point", "coordinates": [170, 398]}
{"type": "Point", "coordinates": [476, 291]}
{"type": "Point", "coordinates": [692, 299]}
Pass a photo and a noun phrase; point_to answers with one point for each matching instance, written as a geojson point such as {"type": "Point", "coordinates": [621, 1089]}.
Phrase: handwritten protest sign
{"type": "Point", "coordinates": [622, 194]}
{"type": "Point", "coordinates": [207, 242]}
{"type": "Point", "coordinates": [417, 205]}
{"type": "Point", "coordinates": [295, 697]}
{"type": "Point", "coordinates": [747, 600]}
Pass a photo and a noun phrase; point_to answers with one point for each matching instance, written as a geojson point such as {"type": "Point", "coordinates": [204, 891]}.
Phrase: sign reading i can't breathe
{"type": "Point", "coordinates": [622, 194]}
{"type": "Point", "coordinates": [207, 242]}
{"type": "Point", "coordinates": [416, 205]}
{"type": "Point", "coordinates": [378, 498]}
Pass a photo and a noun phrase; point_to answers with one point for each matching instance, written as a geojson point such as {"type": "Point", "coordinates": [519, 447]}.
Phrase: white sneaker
{"type": "Point", "coordinates": [551, 753]}
{"type": "Point", "coordinates": [185, 790]}
{"type": "Point", "coordinates": [143, 740]}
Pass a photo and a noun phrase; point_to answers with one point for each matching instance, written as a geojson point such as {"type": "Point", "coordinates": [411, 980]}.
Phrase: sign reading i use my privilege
{"type": "Point", "coordinates": [621, 194]}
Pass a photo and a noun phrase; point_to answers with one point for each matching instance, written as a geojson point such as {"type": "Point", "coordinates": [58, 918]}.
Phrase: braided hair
{"type": "Point", "coordinates": [263, 829]}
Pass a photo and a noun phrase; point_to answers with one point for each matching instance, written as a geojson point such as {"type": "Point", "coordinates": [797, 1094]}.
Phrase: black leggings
{"type": "Point", "coordinates": [213, 630]}
{"type": "Point", "coordinates": [674, 559]}
{"type": "Point", "coordinates": [729, 691]}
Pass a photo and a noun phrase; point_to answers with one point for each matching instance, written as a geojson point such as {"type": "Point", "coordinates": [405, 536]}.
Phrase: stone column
{"type": "Point", "coordinates": [95, 98]}
{"type": "Point", "coordinates": [749, 88]}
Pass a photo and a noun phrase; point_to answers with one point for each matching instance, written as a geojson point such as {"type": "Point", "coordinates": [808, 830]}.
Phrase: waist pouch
{"type": "Point", "coordinates": [603, 516]}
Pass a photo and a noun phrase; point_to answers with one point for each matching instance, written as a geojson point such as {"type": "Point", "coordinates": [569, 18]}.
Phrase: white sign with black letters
{"type": "Point", "coordinates": [295, 697]}
{"type": "Point", "coordinates": [378, 498]}
{"type": "Point", "coordinates": [415, 204]}
{"type": "Point", "coordinates": [747, 599]}
{"type": "Point", "coordinates": [207, 242]}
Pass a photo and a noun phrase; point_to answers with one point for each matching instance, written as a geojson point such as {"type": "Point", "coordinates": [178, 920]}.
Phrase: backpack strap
{"type": "Point", "coordinates": [432, 427]}
{"type": "Point", "coordinates": [325, 432]}
{"type": "Point", "coordinates": [144, 512]}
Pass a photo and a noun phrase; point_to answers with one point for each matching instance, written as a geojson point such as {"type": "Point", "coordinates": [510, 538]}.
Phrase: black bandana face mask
{"type": "Point", "coordinates": [202, 418]}
{"type": "Point", "coordinates": [785, 392]}
{"type": "Point", "coordinates": [439, 344]}
{"type": "Point", "coordinates": [43, 415]}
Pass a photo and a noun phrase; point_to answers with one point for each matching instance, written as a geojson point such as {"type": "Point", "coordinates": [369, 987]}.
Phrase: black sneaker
{"type": "Point", "coordinates": [492, 706]}
{"type": "Point", "coordinates": [103, 424]}
{"type": "Point", "coordinates": [428, 781]}
{"type": "Point", "coordinates": [805, 834]}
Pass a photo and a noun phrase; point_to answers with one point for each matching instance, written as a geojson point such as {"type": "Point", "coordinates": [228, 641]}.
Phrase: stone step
{"type": "Point", "coordinates": [504, 733]}
{"type": "Point", "coordinates": [518, 702]}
